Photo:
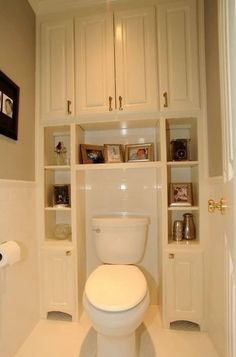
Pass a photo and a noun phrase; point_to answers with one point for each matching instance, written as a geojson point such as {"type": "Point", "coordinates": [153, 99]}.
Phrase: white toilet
{"type": "Point", "coordinates": [116, 295]}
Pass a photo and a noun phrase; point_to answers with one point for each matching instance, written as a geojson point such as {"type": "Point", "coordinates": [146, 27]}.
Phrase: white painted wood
{"type": "Point", "coordinates": [184, 285]}
{"type": "Point", "coordinates": [57, 69]}
{"type": "Point", "coordinates": [94, 64]}
{"type": "Point", "coordinates": [58, 280]}
{"type": "Point", "coordinates": [178, 55]}
{"type": "Point", "coordinates": [124, 71]}
{"type": "Point", "coordinates": [135, 54]}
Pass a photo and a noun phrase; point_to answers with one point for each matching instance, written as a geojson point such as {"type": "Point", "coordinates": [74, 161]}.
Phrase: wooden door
{"type": "Point", "coordinates": [178, 55]}
{"type": "Point", "coordinates": [57, 70]}
{"type": "Point", "coordinates": [135, 57]}
{"type": "Point", "coordinates": [57, 279]}
{"type": "Point", "coordinates": [95, 84]}
{"type": "Point", "coordinates": [184, 285]}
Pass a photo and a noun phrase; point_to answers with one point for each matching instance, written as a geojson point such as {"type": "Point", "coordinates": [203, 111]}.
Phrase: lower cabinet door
{"type": "Point", "coordinates": [58, 287]}
{"type": "Point", "coordinates": [184, 286]}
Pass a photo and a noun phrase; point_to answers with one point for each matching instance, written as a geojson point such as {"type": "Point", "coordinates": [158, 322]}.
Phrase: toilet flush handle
{"type": "Point", "coordinates": [97, 230]}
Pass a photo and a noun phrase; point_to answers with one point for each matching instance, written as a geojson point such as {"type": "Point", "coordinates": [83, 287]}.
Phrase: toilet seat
{"type": "Point", "coordinates": [116, 287]}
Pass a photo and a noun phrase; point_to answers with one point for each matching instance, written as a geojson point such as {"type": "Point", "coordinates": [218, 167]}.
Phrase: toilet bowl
{"type": "Point", "coordinates": [116, 295]}
{"type": "Point", "coordinates": [115, 299]}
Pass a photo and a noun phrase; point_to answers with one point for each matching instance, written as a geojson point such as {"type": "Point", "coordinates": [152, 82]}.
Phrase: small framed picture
{"type": "Point", "coordinates": [61, 195]}
{"type": "Point", "coordinates": [9, 103]}
{"type": "Point", "coordinates": [113, 153]}
{"type": "Point", "coordinates": [181, 194]}
{"type": "Point", "coordinates": [139, 152]}
{"type": "Point", "coordinates": [92, 154]}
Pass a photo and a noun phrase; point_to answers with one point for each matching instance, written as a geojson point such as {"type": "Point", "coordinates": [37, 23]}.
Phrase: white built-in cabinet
{"type": "Point", "coordinates": [178, 55]}
{"type": "Point", "coordinates": [116, 62]}
{"type": "Point", "coordinates": [58, 280]}
{"type": "Point", "coordinates": [184, 285]}
{"type": "Point", "coordinates": [91, 67]}
{"type": "Point", "coordinates": [57, 69]}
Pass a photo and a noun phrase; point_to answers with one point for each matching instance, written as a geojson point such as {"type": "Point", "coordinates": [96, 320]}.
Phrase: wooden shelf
{"type": "Point", "coordinates": [182, 163]}
{"type": "Point", "coordinates": [183, 208]}
{"type": "Point", "coordinates": [57, 167]}
{"type": "Point", "coordinates": [58, 209]}
{"type": "Point", "coordinates": [121, 165]}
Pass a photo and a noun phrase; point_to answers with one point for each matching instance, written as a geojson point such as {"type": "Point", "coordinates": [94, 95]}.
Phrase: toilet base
{"type": "Point", "coordinates": [108, 346]}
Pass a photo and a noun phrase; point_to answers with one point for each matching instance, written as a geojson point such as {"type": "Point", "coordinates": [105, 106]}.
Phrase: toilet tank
{"type": "Point", "coordinates": [120, 239]}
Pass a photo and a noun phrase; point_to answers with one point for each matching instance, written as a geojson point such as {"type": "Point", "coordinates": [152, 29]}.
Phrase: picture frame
{"type": "Point", "coordinates": [9, 106]}
{"type": "Point", "coordinates": [113, 153]}
{"type": "Point", "coordinates": [92, 154]}
{"type": "Point", "coordinates": [181, 194]}
{"type": "Point", "coordinates": [61, 195]}
{"type": "Point", "coordinates": [139, 152]}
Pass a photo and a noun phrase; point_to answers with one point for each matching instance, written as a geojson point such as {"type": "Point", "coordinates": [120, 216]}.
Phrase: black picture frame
{"type": "Point", "coordinates": [61, 195]}
{"type": "Point", "coordinates": [9, 107]}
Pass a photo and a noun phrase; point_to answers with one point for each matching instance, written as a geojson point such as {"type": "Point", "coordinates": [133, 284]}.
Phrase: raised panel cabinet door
{"type": "Point", "coordinates": [57, 69]}
{"type": "Point", "coordinates": [178, 55]}
{"type": "Point", "coordinates": [184, 286]}
{"type": "Point", "coordinates": [135, 54]}
{"type": "Point", "coordinates": [95, 85]}
{"type": "Point", "coordinates": [58, 284]}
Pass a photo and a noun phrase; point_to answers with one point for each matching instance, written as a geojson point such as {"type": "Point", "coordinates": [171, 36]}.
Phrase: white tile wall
{"type": "Point", "coordinates": [19, 286]}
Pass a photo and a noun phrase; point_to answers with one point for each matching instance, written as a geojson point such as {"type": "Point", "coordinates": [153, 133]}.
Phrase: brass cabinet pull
{"type": "Point", "coordinates": [171, 256]}
{"type": "Point", "coordinates": [110, 104]}
{"type": "Point", "coordinates": [221, 206]}
{"type": "Point", "coordinates": [165, 95]}
{"type": "Point", "coordinates": [68, 107]}
{"type": "Point", "coordinates": [68, 253]}
{"type": "Point", "coordinates": [120, 101]}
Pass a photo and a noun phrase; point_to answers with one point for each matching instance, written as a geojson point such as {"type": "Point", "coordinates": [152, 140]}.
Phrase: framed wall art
{"type": "Point", "coordinates": [180, 194]}
{"type": "Point", "coordinates": [9, 106]}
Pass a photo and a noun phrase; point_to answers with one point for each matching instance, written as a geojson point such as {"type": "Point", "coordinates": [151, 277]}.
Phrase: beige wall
{"type": "Point", "coordinates": [17, 61]}
{"type": "Point", "coordinates": [213, 89]}
{"type": "Point", "coordinates": [19, 284]}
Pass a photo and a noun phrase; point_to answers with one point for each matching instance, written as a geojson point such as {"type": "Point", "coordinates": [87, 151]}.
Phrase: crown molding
{"type": "Point", "coordinates": [42, 7]}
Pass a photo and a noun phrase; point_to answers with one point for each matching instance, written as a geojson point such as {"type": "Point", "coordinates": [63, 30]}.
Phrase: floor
{"type": "Point", "coordinates": [54, 338]}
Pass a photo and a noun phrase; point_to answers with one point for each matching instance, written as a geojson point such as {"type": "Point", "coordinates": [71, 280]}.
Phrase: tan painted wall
{"type": "Point", "coordinates": [19, 284]}
{"type": "Point", "coordinates": [17, 61]}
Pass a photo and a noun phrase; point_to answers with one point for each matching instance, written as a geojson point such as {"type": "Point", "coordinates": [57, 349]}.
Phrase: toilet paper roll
{"type": "Point", "coordinates": [9, 253]}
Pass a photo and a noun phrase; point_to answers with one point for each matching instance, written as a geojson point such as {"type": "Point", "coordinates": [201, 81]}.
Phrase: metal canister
{"type": "Point", "coordinates": [178, 230]}
{"type": "Point", "coordinates": [189, 231]}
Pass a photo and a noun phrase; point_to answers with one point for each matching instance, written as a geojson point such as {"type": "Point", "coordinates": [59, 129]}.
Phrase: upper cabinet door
{"type": "Point", "coordinates": [95, 85]}
{"type": "Point", "coordinates": [178, 55]}
{"type": "Point", "coordinates": [135, 58]}
{"type": "Point", "coordinates": [57, 70]}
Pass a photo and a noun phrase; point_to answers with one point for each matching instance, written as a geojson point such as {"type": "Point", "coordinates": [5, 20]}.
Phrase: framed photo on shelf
{"type": "Point", "coordinates": [113, 153]}
{"type": "Point", "coordinates": [139, 152]}
{"type": "Point", "coordinates": [92, 154]}
{"type": "Point", "coordinates": [180, 194]}
{"type": "Point", "coordinates": [9, 104]}
{"type": "Point", "coordinates": [61, 195]}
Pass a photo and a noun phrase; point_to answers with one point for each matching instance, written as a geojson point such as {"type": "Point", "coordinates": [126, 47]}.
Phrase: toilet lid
{"type": "Point", "coordinates": [116, 287]}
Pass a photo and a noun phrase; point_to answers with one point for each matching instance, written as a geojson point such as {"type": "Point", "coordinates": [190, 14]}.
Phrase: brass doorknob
{"type": "Point", "coordinates": [221, 206]}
